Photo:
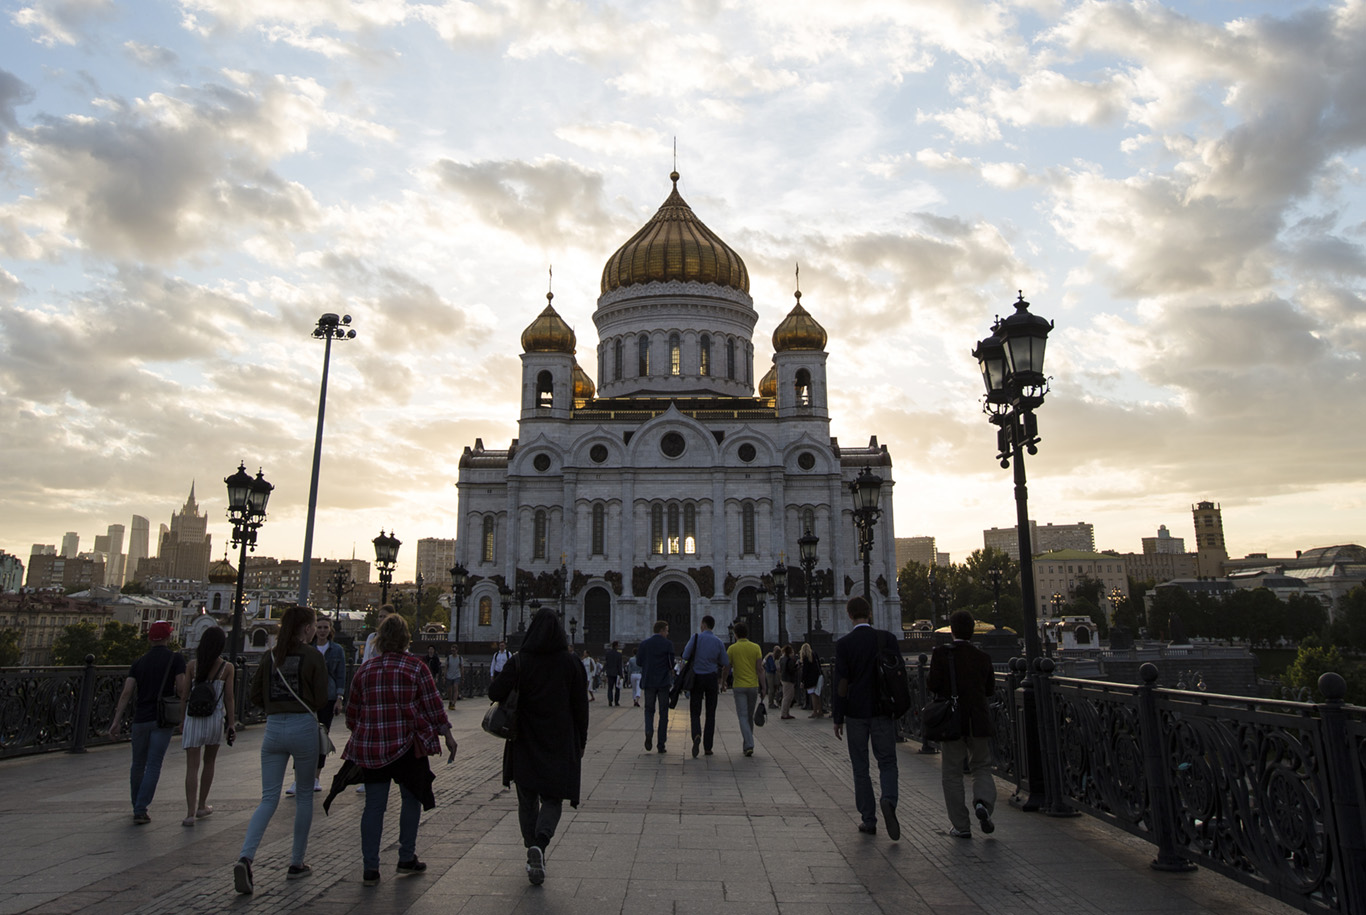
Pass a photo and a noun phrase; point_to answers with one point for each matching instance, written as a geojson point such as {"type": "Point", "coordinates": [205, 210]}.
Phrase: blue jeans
{"type": "Point", "coordinates": [657, 697]}
{"type": "Point", "coordinates": [746, 701]}
{"type": "Point", "coordinates": [372, 823]}
{"type": "Point", "coordinates": [149, 749]}
{"type": "Point", "coordinates": [291, 734]}
{"type": "Point", "coordinates": [881, 733]}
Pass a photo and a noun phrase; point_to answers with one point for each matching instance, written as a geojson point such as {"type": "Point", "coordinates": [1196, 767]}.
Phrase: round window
{"type": "Point", "coordinates": [672, 444]}
{"type": "Point", "coordinates": [597, 454]}
{"type": "Point", "coordinates": [541, 462]}
{"type": "Point", "coordinates": [806, 460]}
{"type": "Point", "coordinates": [746, 452]}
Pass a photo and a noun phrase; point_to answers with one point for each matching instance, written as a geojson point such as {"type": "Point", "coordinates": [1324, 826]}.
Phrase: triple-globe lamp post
{"type": "Point", "coordinates": [807, 545]}
{"type": "Point", "coordinates": [247, 498]}
{"type": "Point", "coordinates": [779, 575]}
{"type": "Point", "coordinates": [386, 557]}
{"type": "Point", "coordinates": [866, 489]}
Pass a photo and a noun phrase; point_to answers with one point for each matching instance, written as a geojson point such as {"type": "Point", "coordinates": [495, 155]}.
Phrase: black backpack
{"type": "Point", "coordinates": [893, 689]}
{"type": "Point", "coordinates": [202, 700]}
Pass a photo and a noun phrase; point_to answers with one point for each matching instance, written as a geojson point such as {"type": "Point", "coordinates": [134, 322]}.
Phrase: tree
{"type": "Point", "coordinates": [11, 647]}
{"type": "Point", "coordinates": [1314, 660]}
{"type": "Point", "coordinates": [1089, 599]}
{"type": "Point", "coordinates": [135, 587]}
{"type": "Point", "coordinates": [913, 586]}
{"type": "Point", "coordinates": [122, 644]}
{"type": "Point", "coordinates": [1349, 624]}
{"type": "Point", "coordinates": [980, 592]}
{"type": "Point", "coordinates": [1168, 602]}
{"type": "Point", "coordinates": [1305, 615]}
{"type": "Point", "coordinates": [74, 642]}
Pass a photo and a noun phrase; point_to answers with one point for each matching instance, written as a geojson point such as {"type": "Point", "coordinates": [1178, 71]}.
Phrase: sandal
{"type": "Point", "coordinates": [203, 812]}
{"type": "Point", "coordinates": [188, 821]}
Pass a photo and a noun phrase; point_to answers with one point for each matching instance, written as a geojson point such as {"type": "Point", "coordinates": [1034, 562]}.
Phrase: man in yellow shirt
{"type": "Point", "coordinates": [751, 682]}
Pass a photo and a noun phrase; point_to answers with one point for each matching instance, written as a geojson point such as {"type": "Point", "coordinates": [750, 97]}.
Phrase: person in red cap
{"type": "Point", "coordinates": [160, 672]}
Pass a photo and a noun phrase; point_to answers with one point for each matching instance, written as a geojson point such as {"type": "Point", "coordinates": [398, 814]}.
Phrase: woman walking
{"type": "Point", "coordinates": [790, 674]}
{"type": "Point", "coordinates": [395, 715]}
{"type": "Point", "coordinates": [209, 676]}
{"type": "Point", "coordinates": [454, 670]}
{"type": "Point", "coordinates": [812, 679]}
{"type": "Point", "coordinates": [291, 685]}
{"type": "Point", "coordinates": [552, 731]}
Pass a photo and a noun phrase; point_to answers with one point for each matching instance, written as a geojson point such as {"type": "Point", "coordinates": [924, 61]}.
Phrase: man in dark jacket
{"type": "Point", "coordinates": [854, 703]}
{"type": "Point", "coordinates": [975, 683]}
{"type": "Point", "coordinates": [612, 670]}
{"type": "Point", "coordinates": [655, 656]}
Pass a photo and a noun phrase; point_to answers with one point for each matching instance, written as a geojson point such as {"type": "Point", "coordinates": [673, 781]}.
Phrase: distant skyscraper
{"type": "Point", "coordinates": [71, 545]}
{"type": "Point", "coordinates": [1210, 551]}
{"type": "Point", "coordinates": [43, 549]}
{"type": "Point", "coordinates": [185, 546]}
{"type": "Point", "coordinates": [915, 549]}
{"type": "Point", "coordinates": [1045, 538]}
{"type": "Point", "coordinates": [434, 560]}
{"type": "Point", "coordinates": [11, 572]}
{"type": "Point", "coordinates": [114, 569]}
{"type": "Point", "coordinates": [137, 545]}
{"type": "Point", "coordinates": [1164, 542]}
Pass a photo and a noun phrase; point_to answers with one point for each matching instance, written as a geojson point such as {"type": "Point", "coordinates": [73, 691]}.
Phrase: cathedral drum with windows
{"type": "Point", "coordinates": [669, 490]}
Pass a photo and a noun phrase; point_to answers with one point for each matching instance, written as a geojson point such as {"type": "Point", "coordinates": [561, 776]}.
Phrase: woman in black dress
{"type": "Point", "coordinates": [552, 731]}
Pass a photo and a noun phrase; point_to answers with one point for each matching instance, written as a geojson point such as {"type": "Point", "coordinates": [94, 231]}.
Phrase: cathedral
{"type": "Point", "coordinates": [670, 489]}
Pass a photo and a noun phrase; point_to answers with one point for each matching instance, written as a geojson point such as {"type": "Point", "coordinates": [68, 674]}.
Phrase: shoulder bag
{"type": "Point", "coordinates": [170, 709]}
{"type": "Point", "coordinates": [941, 717]}
{"type": "Point", "coordinates": [325, 745]}
{"type": "Point", "coordinates": [686, 677]}
{"type": "Point", "coordinates": [501, 718]}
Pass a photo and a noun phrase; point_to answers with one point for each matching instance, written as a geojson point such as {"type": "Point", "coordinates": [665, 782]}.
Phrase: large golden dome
{"type": "Point", "coordinates": [798, 331]}
{"type": "Point", "coordinates": [548, 333]}
{"type": "Point", "coordinates": [222, 573]}
{"type": "Point", "coordinates": [675, 245]}
{"type": "Point", "coordinates": [768, 385]}
{"type": "Point", "coordinates": [584, 389]}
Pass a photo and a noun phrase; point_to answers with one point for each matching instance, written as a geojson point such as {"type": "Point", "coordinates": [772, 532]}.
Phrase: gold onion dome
{"type": "Point", "coordinates": [584, 388]}
{"type": "Point", "coordinates": [548, 333]}
{"type": "Point", "coordinates": [675, 245]}
{"type": "Point", "coordinates": [768, 385]}
{"type": "Point", "coordinates": [222, 573]}
{"type": "Point", "coordinates": [798, 331]}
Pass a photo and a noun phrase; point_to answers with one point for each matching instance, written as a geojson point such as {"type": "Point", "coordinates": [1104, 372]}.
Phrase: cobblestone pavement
{"type": "Point", "coordinates": [774, 834]}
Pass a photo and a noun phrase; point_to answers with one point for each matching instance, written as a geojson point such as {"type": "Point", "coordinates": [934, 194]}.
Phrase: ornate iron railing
{"type": "Point", "coordinates": [58, 708]}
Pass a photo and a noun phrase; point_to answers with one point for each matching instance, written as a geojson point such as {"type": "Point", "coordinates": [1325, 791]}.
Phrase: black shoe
{"type": "Point", "coordinates": [661, 748]}
{"type": "Point", "coordinates": [707, 752]}
{"type": "Point", "coordinates": [889, 820]}
{"type": "Point", "coordinates": [298, 872]}
{"type": "Point", "coordinates": [535, 866]}
{"type": "Point", "coordinates": [650, 743]}
{"type": "Point", "coordinates": [984, 816]}
{"type": "Point", "coordinates": [370, 878]}
{"type": "Point", "coordinates": [411, 867]}
{"type": "Point", "coordinates": [241, 876]}
{"type": "Point", "coordinates": [867, 829]}
{"type": "Point", "coordinates": [141, 819]}
{"type": "Point", "coordinates": [696, 745]}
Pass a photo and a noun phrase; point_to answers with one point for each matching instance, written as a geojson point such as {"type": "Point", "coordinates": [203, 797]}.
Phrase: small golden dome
{"type": "Point", "coordinates": [768, 385]}
{"type": "Point", "coordinates": [222, 573]}
{"type": "Point", "coordinates": [548, 333]}
{"type": "Point", "coordinates": [584, 389]}
{"type": "Point", "coordinates": [798, 331]}
{"type": "Point", "coordinates": [675, 245]}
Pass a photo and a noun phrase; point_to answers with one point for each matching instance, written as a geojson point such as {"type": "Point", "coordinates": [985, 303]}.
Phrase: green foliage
{"type": "Point", "coordinates": [11, 646]}
{"type": "Point", "coordinates": [968, 586]}
{"type": "Point", "coordinates": [74, 642]}
{"type": "Point", "coordinates": [122, 644]}
{"type": "Point", "coordinates": [135, 587]}
{"type": "Point", "coordinates": [1349, 623]}
{"type": "Point", "coordinates": [1314, 660]}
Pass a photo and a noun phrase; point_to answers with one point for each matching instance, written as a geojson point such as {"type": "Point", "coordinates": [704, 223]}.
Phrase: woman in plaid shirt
{"type": "Point", "coordinates": [395, 716]}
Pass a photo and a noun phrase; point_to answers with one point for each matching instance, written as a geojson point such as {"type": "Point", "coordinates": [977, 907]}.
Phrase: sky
{"type": "Point", "coordinates": [185, 187]}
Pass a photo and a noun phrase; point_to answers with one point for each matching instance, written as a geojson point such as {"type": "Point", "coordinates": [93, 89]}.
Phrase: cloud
{"type": "Point", "coordinates": [62, 21]}
{"type": "Point", "coordinates": [13, 93]}
{"type": "Point", "coordinates": [153, 57]}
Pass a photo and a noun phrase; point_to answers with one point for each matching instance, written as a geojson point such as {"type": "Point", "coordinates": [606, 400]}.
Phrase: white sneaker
{"type": "Point", "coordinates": [291, 790]}
{"type": "Point", "coordinates": [535, 866]}
{"type": "Point", "coordinates": [317, 785]}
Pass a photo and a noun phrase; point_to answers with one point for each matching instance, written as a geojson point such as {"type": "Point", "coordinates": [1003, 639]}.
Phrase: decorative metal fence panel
{"type": "Point", "coordinates": [42, 709]}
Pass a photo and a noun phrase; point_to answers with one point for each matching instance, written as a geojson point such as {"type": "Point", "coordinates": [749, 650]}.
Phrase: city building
{"type": "Point", "coordinates": [1059, 572]}
{"type": "Point", "coordinates": [138, 534]}
{"type": "Point", "coordinates": [41, 615]}
{"type": "Point", "coordinates": [1044, 538]}
{"type": "Point", "coordinates": [11, 572]}
{"type": "Point", "coordinates": [71, 544]}
{"type": "Point", "coordinates": [435, 557]}
{"type": "Point", "coordinates": [918, 549]}
{"type": "Point", "coordinates": [1163, 543]}
{"type": "Point", "coordinates": [60, 573]}
{"type": "Point", "coordinates": [185, 547]}
{"type": "Point", "coordinates": [672, 487]}
{"type": "Point", "coordinates": [1210, 550]}
{"type": "Point", "coordinates": [1159, 567]}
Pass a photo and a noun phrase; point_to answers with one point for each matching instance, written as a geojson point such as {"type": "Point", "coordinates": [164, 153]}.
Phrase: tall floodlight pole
{"type": "Point", "coordinates": [330, 327]}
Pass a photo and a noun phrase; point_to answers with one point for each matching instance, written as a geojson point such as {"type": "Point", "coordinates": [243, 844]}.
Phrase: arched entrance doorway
{"type": "Point", "coordinates": [747, 613]}
{"type": "Point", "coordinates": [597, 619]}
{"type": "Point", "coordinates": [674, 605]}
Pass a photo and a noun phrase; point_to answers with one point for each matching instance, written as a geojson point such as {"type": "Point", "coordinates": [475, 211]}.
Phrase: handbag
{"type": "Point", "coordinates": [760, 714]}
{"type": "Point", "coordinates": [686, 679]}
{"type": "Point", "coordinates": [170, 709]}
{"type": "Point", "coordinates": [501, 718]}
{"type": "Point", "coordinates": [325, 745]}
{"type": "Point", "coordinates": [941, 717]}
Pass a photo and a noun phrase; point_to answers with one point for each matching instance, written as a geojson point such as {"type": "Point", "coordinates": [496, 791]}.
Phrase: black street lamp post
{"type": "Point", "coordinates": [247, 500]}
{"type": "Point", "coordinates": [329, 328]}
{"type": "Point", "coordinates": [779, 574]}
{"type": "Point", "coordinates": [386, 557]}
{"type": "Point", "coordinates": [459, 576]}
{"type": "Point", "coordinates": [562, 586]}
{"type": "Point", "coordinates": [573, 632]}
{"type": "Point", "coordinates": [866, 489]}
{"type": "Point", "coordinates": [806, 546]}
{"type": "Point", "coordinates": [417, 613]}
{"type": "Point", "coordinates": [934, 599]}
{"type": "Point", "coordinates": [523, 593]}
{"type": "Point", "coordinates": [994, 574]}
{"type": "Point", "coordinates": [340, 585]}
{"type": "Point", "coordinates": [505, 601]}
{"type": "Point", "coordinates": [757, 614]}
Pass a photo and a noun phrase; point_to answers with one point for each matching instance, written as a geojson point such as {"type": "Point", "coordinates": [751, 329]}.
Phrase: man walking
{"type": "Point", "coordinates": [708, 656]}
{"type": "Point", "coordinates": [751, 682]}
{"type": "Point", "coordinates": [612, 670]}
{"type": "Point", "coordinates": [655, 657]}
{"type": "Point", "coordinates": [974, 681]}
{"type": "Point", "coordinates": [500, 660]}
{"type": "Point", "coordinates": [159, 672]}
{"type": "Point", "coordinates": [857, 707]}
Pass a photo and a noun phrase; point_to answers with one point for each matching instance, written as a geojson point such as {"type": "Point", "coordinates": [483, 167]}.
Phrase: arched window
{"type": "Point", "coordinates": [808, 520]}
{"type": "Point", "coordinates": [1083, 635]}
{"type": "Point", "coordinates": [675, 356]}
{"type": "Point", "coordinates": [730, 359]}
{"type": "Point", "coordinates": [485, 611]}
{"type": "Point", "coordinates": [643, 355]}
{"type": "Point", "coordinates": [689, 528]}
{"type": "Point", "coordinates": [599, 530]}
{"type": "Point", "coordinates": [616, 359]}
{"type": "Point", "coordinates": [488, 538]}
{"type": "Point", "coordinates": [803, 388]}
{"type": "Point", "coordinates": [218, 602]}
{"type": "Point", "coordinates": [657, 529]}
{"type": "Point", "coordinates": [704, 355]}
{"type": "Point", "coordinates": [545, 390]}
{"type": "Point", "coordinates": [747, 529]}
{"type": "Point", "coordinates": [674, 544]}
{"type": "Point", "coordinates": [538, 536]}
